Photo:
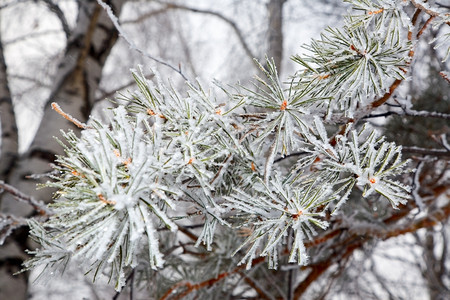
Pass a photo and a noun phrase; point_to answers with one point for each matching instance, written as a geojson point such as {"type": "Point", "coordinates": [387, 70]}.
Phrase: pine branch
{"type": "Point", "coordinates": [123, 182]}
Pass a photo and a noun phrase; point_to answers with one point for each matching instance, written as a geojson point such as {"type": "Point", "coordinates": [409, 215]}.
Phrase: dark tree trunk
{"type": "Point", "coordinates": [275, 34]}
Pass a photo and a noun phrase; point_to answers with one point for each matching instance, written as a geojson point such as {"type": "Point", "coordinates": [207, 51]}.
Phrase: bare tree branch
{"type": "Point", "coordinates": [31, 35]}
{"type": "Point", "coordinates": [60, 14]}
{"type": "Point", "coordinates": [38, 205]}
{"type": "Point", "coordinates": [428, 11]}
{"type": "Point", "coordinates": [426, 151]}
{"type": "Point", "coordinates": [9, 223]}
{"type": "Point", "coordinates": [422, 113]}
{"type": "Point", "coordinates": [219, 15]}
{"type": "Point", "coordinates": [145, 16]}
{"type": "Point", "coordinates": [132, 45]}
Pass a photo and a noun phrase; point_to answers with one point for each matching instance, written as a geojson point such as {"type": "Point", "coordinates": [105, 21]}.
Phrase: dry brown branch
{"type": "Point", "coordinates": [68, 117]}
{"type": "Point", "coordinates": [424, 27]}
{"type": "Point", "coordinates": [423, 8]}
{"type": "Point", "coordinates": [261, 294]}
{"type": "Point", "coordinates": [207, 283]}
{"type": "Point", "coordinates": [354, 242]}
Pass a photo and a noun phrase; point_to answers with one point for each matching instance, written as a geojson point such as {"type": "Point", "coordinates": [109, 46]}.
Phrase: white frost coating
{"type": "Point", "coordinates": [122, 182]}
{"type": "Point", "coordinates": [285, 207]}
{"type": "Point", "coordinates": [119, 182]}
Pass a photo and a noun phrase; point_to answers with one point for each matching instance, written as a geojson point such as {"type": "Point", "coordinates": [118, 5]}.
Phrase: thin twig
{"type": "Point", "coordinates": [30, 35]}
{"type": "Point", "coordinates": [68, 117]}
{"type": "Point", "coordinates": [147, 15]}
{"type": "Point", "coordinates": [38, 205]}
{"type": "Point", "coordinates": [9, 223]}
{"type": "Point", "coordinates": [426, 114]}
{"type": "Point", "coordinates": [382, 115]}
{"type": "Point", "coordinates": [132, 45]}
{"type": "Point", "coordinates": [417, 113]}
{"type": "Point", "coordinates": [426, 151]}
{"type": "Point", "coordinates": [424, 26]}
{"type": "Point", "coordinates": [219, 15]}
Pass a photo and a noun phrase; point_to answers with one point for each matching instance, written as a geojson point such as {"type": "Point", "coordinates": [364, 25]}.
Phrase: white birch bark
{"type": "Point", "coordinates": [77, 79]}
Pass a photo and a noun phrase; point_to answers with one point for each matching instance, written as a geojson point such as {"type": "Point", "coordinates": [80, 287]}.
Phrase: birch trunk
{"type": "Point", "coordinates": [75, 83]}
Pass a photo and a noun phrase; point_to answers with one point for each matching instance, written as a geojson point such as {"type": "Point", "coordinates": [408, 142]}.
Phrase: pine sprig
{"type": "Point", "coordinates": [352, 66]}
{"type": "Point", "coordinates": [112, 189]}
{"type": "Point", "coordinates": [272, 210]}
{"type": "Point", "coordinates": [287, 110]}
{"type": "Point", "coordinates": [360, 158]}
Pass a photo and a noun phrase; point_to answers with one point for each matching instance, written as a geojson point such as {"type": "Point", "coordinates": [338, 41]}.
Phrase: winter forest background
{"type": "Point", "coordinates": [69, 52]}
